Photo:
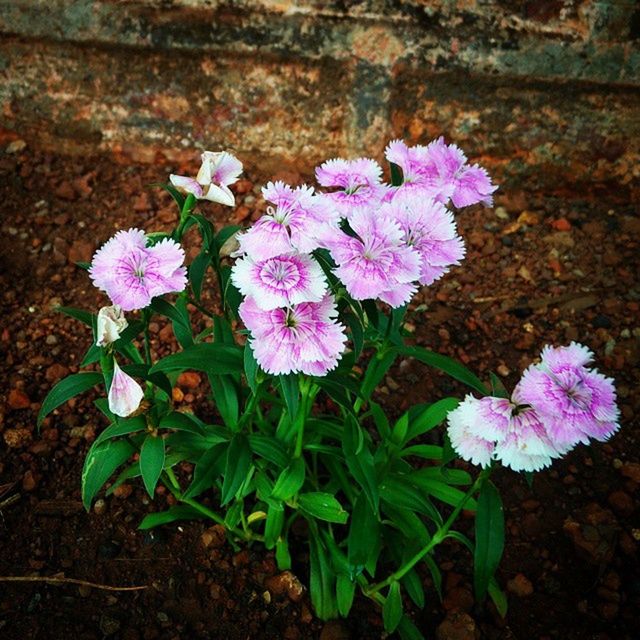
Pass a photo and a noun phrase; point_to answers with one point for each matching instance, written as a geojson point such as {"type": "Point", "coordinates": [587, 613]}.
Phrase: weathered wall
{"type": "Point", "coordinates": [547, 90]}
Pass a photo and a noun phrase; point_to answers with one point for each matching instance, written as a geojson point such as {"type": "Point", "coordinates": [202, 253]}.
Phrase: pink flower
{"type": "Point", "coordinates": [125, 394]}
{"type": "Point", "coordinates": [429, 228]}
{"type": "Point", "coordinates": [442, 170]}
{"type": "Point", "coordinates": [292, 224]}
{"type": "Point", "coordinates": [217, 172]}
{"type": "Point", "coordinates": [280, 281]}
{"type": "Point", "coordinates": [304, 337]}
{"type": "Point", "coordinates": [575, 403]}
{"type": "Point", "coordinates": [469, 446]}
{"type": "Point", "coordinates": [497, 428]}
{"type": "Point", "coordinates": [131, 273]}
{"type": "Point", "coordinates": [358, 184]}
{"type": "Point", "coordinates": [376, 264]}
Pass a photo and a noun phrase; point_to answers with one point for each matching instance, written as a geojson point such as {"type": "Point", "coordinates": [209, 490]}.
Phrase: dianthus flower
{"type": "Point", "coordinates": [217, 171]}
{"type": "Point", "coordinates": [280, 281]}
{"type": "Point", "coordinates": [131, 273]}
{"type": "Point", "coordinates": [358, 184]}
{"type": "Point", "coordinates": [501, 429]}
{"type": "Point", "coordinates": [304, 337]}
{"type": "Point", "coordinates": [471, 447]}
{"type": "Point", "coordinates": [292, 224]}
{"type": "Point", "coordinates": [125, 394]}
{"type": "Point", "coordinates": [430, 229]}
{"type": "Point", "coordinates": [442, 171]}
{"type": "Point", "coordinates": [376, 263]}
{"type": "Point", "coordinates": [576, 403]}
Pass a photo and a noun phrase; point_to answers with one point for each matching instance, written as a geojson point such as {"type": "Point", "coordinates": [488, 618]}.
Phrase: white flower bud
{"type": "Point", "coordinates": [111, 323]}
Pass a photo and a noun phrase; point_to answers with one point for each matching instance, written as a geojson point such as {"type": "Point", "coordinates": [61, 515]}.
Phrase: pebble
{"type": "Point", "coordinates": [520, 586]}
{"type": "Point", "coordinates": [285, 583]}
{"type": "Point", "coordinates": [100, 507]}
{"type": "Point", "coordinates": [16, 146]}
{"type": "Point", "coordinates": [109, 625]}
{"type": "Point", "coordinates": [18, 399]}
{"type": "Point", "coordinates": [503, 370]}
{"type": "Point", "coordinates": [621, 503]}
{"type": "Point", "coordinates": [214, 537]}
{"type": "Point", "coordinates": [457, 626]}
{"type": "Point", "coordinates": [29, 481]}
{"type": "Point", "coordinates": [630, 470]}
{"type": "Point", "coordinates": [189, 380]}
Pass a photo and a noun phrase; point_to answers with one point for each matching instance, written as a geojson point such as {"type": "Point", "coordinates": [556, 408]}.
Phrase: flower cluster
{"type": "Point", "coordinates": [383, 239]}
{"type": "Point", "coordinates": [557, 404]}
{"type": "Point", "coordinates": [288, 307]}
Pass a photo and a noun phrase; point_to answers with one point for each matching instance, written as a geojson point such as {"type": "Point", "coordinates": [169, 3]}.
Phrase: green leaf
{"type": "Point", "coordinates": [290, 480]}
{"type": "Point", "coordinates": [413, 586]}
{"type": "Point", "coordinates": [291, 393]}
{"type": "Point", "coordinates": [436, 574]}
{"type": "Point", "coordinates": [182, 422]}
{"type": "Point", "coordinates": [283, 557]}
{"type": "Point", "coordinates": [142, 371]}
{"type": "Point", "coordinates": [424, 418]}
{"type": "Point", "coordinates": [408, 631]}
{"type": "Point", "coordinates": [93, 354]}
{"type": "Point", "coordinates": [175, 194]}
{"type": "Point", "coordinates": [101, 461]}
{"type": "Point", "coordinates": [151, 462]}
{"type": "Point", "coordinates": [209, 465]}
{"type": "Point", "coordinates": [177, 512]}
{"type": "Point", "coordinates": [364, 529]}
{"type": "Point", "coordinates": [321, 579]}
{"type": "Point", "coordinates": [269, 448]}
{"type": "Point", "coordinates": [357, 332]}
{"type": "Point", "coordinates": [211, 357]}
{"type": "Point", "coordinates": [345, 590]}
{"type": "Point", "coordinates": [498, 596]}
{"type": "Point", "coordinates": [225, 394]}
{"type": "Point", "coordinates": [197, 270]}
{"type": "Point", "coordinates": [400, 492]}
{"type": "Point", "coordinates": [360, 461]}
{"type": "Point", "coordinates": [426, 451]}
{"type": "Point", "coordinates": [392, 608]}
{"type": "Point", "coordinates": [250, 368]}
{"type": "Point", "coordinates": [122, 428]}
{"type": "Point", "coordinates": [376, 371]}
{"type": "Point", "coordinates": [489, 538]}
{"type": "Point", "coordinates": [448, 365]}
{"type": "Point", "coordinates": [182, 329]}
{"type": "Point", "coordinates": [236, 468]}
{"type": "Point", "coordinates": [78, 314]}
{"type": "Point", "coordinates": [66, 389]}
{"type": "Point", "coordinates": [323, 506]}
{"type": "Point", "coordinates": [273, 526]}
{"type": "Point", "coordinates": [442, 491]}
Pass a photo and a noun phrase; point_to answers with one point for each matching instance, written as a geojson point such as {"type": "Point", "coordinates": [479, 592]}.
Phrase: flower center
{"type": "Point", "coordinates": [280, 273]}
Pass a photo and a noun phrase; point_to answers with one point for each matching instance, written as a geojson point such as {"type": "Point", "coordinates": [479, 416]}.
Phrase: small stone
{"type": "Point", "coordinates": [56, 372]}
{"type": "Point", "coordinates": [162, 617]}
{"type": "Point", "coordinates": [520, 586]}
{"type": "Point", "coordinates": [51, 339]}
{"type": "Point", "coordinates": [562, 224]}
{"type": "Point", "coordinates": [189, 380]}
{"type": "Point", "coordinates": [18, 399]}
{"type": "Point", "coordinates": [177, 394]}
{"type": "Point", "coordinates": [458, 599]}
{"type": "Point", "coordinates": [503, 370]}
{"type": "Point", "coordinates": [29, 481]}
{"type": "Point", "coordinates": [501, 213]}
{"type": "Point", "coordinates": [123, 491]}
{"type": "Point", "coordinates": [214, 537]}
{"type": "Point", "coordinates": [16, 146]}
{"type": "Point", "coordinates": [65, 191]}
{"type": "Point", "coordinates": [17, 438]}
{"type": "Point", "coordinates": [285, 583]}
{"type": "Point", "coordinates": [100, 507]}
{"type": "Point", "coordinates": [81, 251]}
{"type": "Point", "coordinates": [457, 626]}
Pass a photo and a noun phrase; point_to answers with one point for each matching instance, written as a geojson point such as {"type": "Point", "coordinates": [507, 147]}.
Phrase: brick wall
{"type": "Point", "coordinates": [546, 91]}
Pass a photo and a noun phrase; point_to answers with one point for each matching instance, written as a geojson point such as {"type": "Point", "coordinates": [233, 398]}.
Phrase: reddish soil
{"type": "Point", "coordinates": [538, 270]}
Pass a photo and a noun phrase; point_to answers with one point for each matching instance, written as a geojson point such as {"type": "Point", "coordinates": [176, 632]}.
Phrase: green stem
{"type": "Point", "coordinates": [174, 487]}
{"type": "Point", "coordinates": [438, 537]}
{"type": "Point", "coordinates": [146, 317]}
{"type": "Point", "coordinates": [308, 392]}
{"type": "Point", "coordinates": [187, 207]}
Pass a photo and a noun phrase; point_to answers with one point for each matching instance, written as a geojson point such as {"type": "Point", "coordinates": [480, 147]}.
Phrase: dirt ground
{"type": "Point", "coordinates": [539, 269]}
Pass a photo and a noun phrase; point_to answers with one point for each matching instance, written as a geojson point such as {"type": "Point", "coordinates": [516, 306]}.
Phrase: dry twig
{"type": "Point", "coordinates": [53, 580]}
